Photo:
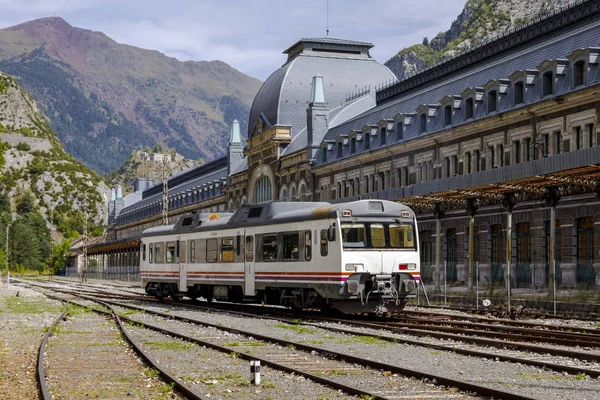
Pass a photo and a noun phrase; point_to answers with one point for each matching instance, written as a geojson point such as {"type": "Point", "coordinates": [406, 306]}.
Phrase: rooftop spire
{"type": "Point", "coordinates": [317, 92]}
{"type": "Point", "coordinates": [235, 136]}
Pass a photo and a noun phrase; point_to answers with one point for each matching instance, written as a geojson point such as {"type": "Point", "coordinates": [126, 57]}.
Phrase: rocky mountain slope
{"type": "Point", "coordinates": [138, 165]}
{"type": "Point", "coordinates": [106, 99]}
{"type": "Point", "coordinates": [479, 19]}
{"type": "Point", "coordinates": [34, 166]}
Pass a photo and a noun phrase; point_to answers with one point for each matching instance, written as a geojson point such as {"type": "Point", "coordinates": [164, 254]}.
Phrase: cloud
{"type": "Point", "coordinates": [247, 34]}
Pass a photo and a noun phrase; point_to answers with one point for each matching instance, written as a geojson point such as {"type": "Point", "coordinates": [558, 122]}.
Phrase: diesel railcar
{"type": "Point", "coordinates": [355, 256]}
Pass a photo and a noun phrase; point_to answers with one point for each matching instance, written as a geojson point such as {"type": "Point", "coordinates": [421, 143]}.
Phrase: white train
{"type": "Point", "coordinates": [357, 256]}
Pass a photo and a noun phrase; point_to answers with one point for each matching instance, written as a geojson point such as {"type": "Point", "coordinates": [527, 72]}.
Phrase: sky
{"type": "Point", "coordinates": [249, 35]}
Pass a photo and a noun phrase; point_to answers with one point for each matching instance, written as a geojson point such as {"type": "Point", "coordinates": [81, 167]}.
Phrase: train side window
{"type": "Point", "coordinates": [249, 248]}
{"type": "Point", "coordinates": [377, 235]}
{"type": "Point", "coordinates": [211, 250]}
{"type": "Point", "coordinates": [171, 252]}
{"type": "Point", "coordinates": [324, 243]}
{"type": "Point", "coordinates": [291, 246]}
{"type": "Point", "coordinates": [144, 251]}
{"type": "Point", "coordinates": [307, 246]}
{"type": "Point", "coordinates": [192, 251]}
{"type": "Point", "coordinates": [227, 249]}
{"type": "Point", "coordinates": [269, 247]}
{"type": "Point", "coordinates": [238, 245]}
{"type": "Point", "coordinates": [150, 248]}
{"type": "Point", "coordinates": [158, 253]}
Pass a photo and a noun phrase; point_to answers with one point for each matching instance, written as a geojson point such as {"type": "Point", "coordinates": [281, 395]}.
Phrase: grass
{"type": "Point", "coordinates": [170, 345]}
{"type": "Point", "coordinates": [297, 328]}
{"type": "Point", "coordinates": [252, 343]}
{"type": "Point", "coordinates": [28, 305]}
{"type": "Point", "coordinates": [129, 312]}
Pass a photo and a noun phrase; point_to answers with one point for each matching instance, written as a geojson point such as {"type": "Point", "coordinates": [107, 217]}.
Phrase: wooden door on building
{"type": "Point", "coordinates": [498, 253]}
{"type": "Point", "coordinates": [585, 250]}
{"type": "Point", "coordinates": [523, 270]}
{"type": "Point", "coordinates": [451, 255]}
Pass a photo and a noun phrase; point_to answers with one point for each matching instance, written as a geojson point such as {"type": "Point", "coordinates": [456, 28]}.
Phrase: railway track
{"type": "Point", "coordinates": [308, 349]}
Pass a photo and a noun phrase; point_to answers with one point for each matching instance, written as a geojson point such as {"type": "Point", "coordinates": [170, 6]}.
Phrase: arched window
{"type": "Point", "coordinates": [283, 196]}
{"type": "Point", "coordinates": [447, 115]}
{"type": "Point", "coordinates": [263, 190]}
{"type": "Point", "coordinates": [302, 192]}
{"type": "Point", "coordinates": [422, 123]}
{"type": "Point", "coordinates": [293, 193]}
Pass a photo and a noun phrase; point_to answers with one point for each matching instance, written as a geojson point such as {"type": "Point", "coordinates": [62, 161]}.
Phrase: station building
{"type": "Point", "coordinates": [492, 147]}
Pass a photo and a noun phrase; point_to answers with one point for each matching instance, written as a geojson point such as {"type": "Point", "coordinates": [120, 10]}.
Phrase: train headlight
{"type": "Point", "coordinates": [353, 267]}
{"type": "Point", "coordinates": [409, 267]}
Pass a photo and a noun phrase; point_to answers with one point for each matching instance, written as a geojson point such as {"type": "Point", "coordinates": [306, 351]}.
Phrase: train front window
{"type": "Point", "coordinates": [377, 235]}
{"type": "Point", "coordinates": [402, 236]}
{"type": "Point", "coordinates": [380, 235]}
{"type": "Point", "coordinates": [353, 235]}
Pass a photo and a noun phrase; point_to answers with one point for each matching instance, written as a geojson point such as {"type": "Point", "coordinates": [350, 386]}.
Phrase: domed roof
{"type": "Point", "coordinates": [344, 65]}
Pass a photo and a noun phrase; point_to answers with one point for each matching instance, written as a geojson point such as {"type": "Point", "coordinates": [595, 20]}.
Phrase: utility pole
{"type": "Point", "coordinates": [165, 199]}
{"type": "Point", "coordinates": [84, 249]}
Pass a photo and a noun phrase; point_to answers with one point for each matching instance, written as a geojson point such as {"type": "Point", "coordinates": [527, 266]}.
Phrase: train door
{"type": "Point", "coordinates": [182, 265]}
{"type": "Point", "coordinates": [249, 286]}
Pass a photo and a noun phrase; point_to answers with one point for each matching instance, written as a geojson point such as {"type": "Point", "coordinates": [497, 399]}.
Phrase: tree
{"type": "Point", "coordinates": [425, 41]}
{"type": "Point", "coordinates": [61, 255]}
{"type": "Point", "coordinates": [26, 203]}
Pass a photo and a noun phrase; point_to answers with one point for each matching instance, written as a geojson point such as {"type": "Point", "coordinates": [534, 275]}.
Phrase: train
{"type": "Point", "coordinates": [359, 256]}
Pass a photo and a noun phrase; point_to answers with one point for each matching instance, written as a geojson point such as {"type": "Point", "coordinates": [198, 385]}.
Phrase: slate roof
{"type": "Point", "coordinates": [284, 96]}
{"type": "Point", "coordinates": [530, 56]}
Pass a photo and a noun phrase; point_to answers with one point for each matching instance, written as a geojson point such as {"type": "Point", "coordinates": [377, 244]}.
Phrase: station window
{"type": "Point", "coordinates": [492, 101]}
{"type": "Point", "coordinates": [227, 249]}
{"type": "Point", "coordinates": [578, 138]}
{"type": "Point", "coordinates": [249, 248]}
{"type": "Point", "coordinates": [324, 243]}
{"type": "Point", "coordinates": [291, 246]}
{"type": "Point", "coordinates": [547, 84]}
{"type": "Point", "coordinates": [270, 247]}
{"type": "Point", "coordinates": [352, 145]}
{"type": "Point", "coordinates": [367, 141]}
{"type": "Point", "coordinates": [382, 136]}
{"type": "Point", "coordinates": [519, 93]}
{"type": "Point", "coordinates": [469, 108]}
{"type": "Point", "coordinates": [399, 131]}
{"type": "Point", "coordinates": [579, 73]}
{"type": "Point", "coordinates": [557, 142]}
{"type": "Point", "coordinates": [307, 246]}
{"type": "Point", "coordinates": [211, 250]}
{"type": "Point", "coordinates": [422, 123]}
{"type": "Point", "coordinates": [447, 115]}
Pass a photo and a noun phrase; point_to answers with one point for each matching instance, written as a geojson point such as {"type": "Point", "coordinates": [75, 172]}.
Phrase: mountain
{"type": "Point", "coordinates": [479, 19]}
{"type": "Point", "coordinates": [37, 174]}
{"type": "Point", "coordinates": [106, 99]}
{"type": "Point", "coordinates": [140, 164]}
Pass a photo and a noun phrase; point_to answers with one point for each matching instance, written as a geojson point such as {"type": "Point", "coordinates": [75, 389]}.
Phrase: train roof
{"type": "Point", "coordinates": [273, 212]}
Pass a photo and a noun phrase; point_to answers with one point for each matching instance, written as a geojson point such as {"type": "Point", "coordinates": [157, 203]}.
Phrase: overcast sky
{"type": "Point", "coordinates": [247, 34]}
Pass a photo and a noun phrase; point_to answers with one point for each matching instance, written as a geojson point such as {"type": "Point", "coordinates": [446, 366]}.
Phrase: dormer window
{"type": "Point", "coordinates": [518, 93]}
{"type": "Point", "coordinates": [492, 101]}
{"type": "Point", "coordinates": [382, 136]}
{"type": "Point", "coordinates": [579, 73]}
{"type": "Point", "coordinates": [340, 150]}
{"type": "Point", "coordinates": [324, 154]}
{"type": "Point", "coordinates": [367, 141]}
{"type": "Point", "coordinates": [423, 123]}
{"type": "Point", "coordinates": [469, 108]}
{"type": "Point", "coordinates": [399, 131]}
{"type": "Point", "coordinates": [547, 84]}
{"type": "Point", "coordinates": [353, 145]}
{"type": "Point", "coordinates": [448, 115]}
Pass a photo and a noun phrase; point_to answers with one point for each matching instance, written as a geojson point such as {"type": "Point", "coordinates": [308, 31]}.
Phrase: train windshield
{"type": "Point", "coordinates": [378, 236]}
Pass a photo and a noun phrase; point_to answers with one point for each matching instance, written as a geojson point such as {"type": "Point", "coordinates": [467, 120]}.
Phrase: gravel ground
{"type": "Point", "coordinates": [86, 358]}
{"type": "Point", "coordinates": [378, 382]}
{"type": "Point", "coordinates": [513, 377]}
{"type": "Point", "coordinates": [23, 320]}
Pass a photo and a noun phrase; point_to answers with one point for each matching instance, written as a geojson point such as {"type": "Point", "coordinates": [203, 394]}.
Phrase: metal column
{"type": "Point", "coordinates": [471, 210]}
{"type": "Point", "coordinates": [439, 214]}
{"type": "Point", "coordinates": [509, 203]}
